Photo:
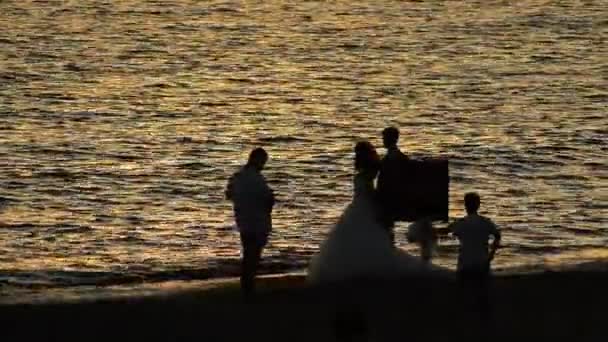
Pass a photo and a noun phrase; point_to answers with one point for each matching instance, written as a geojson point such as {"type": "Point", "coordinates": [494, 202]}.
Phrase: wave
{"type": "Point", "coordinates": [283, 139]}
{"type": "Point", "coordinates": [55, 278]}
{"type": "Point", "coordinates": [227, 268]}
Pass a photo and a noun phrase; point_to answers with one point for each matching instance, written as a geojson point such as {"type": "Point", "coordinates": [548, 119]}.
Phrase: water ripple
{"type": "Point", "coordinates": [122, 121]}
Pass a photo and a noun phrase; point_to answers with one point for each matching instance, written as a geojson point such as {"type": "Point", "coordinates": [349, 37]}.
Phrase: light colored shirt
{"type": "Point", "coordinates": [474, 232]}
{"type": "Point", "coordinates": [252, 200]}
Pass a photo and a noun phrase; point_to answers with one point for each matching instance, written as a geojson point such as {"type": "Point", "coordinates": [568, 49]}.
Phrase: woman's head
{"type": "Point", "coordinates": [366, 157]}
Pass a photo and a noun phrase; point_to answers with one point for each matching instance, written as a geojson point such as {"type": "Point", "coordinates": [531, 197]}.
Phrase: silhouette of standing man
{"type": "Point", "coordinates": [389, 178]}
{"type": "Point", "coordinates": [252, 201]}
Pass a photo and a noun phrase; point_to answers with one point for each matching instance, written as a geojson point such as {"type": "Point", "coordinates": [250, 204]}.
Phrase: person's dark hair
{"type": "Point", "coordinates": [390, 136]}
{"type": "Point", "coordinates": [366, 157]}
{"type": "Point", "coordinates": [472, 201]}
{"type": "Point", "coordinates": [257, 155]}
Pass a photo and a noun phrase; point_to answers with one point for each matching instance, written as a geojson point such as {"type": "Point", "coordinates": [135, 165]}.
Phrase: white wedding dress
{"type": "Point", "coordinates": [357, 246]}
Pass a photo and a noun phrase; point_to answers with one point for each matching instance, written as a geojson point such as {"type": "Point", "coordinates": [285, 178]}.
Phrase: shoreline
{"type": "Point", "coordinates": [90, 292]}
{"type": "Point", "coordinates": [555, 306]}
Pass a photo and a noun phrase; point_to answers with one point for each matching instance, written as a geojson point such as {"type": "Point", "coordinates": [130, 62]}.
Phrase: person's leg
{"type": "Point", "coordinates": [483, 303]}
{"type": "Point", "coordinates": [484, 296]}
{"type": "Point", "coordinates": [469, 291]}
{"type": "Point", "coordinates": [253, 245]}
{"type": "Point", "coordinates": [470, 296]}
{"type": "Point", "coordinates": [247, 263]}
{"type": "Point", "coordinates": [256, 256]}
{"type": "Point", "coordinates": [475, 289]}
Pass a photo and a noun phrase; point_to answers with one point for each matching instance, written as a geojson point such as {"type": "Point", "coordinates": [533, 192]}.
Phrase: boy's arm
{"type": "Point", "coordinates": [451, 228]}
{"type": "Point", "coordinates": [443, 231]}
{"type": "Point", "coordinates": [496, 243]}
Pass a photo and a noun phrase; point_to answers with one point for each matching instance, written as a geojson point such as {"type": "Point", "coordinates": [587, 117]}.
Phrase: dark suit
{"type": "Point", "coordinates": [389, 191]}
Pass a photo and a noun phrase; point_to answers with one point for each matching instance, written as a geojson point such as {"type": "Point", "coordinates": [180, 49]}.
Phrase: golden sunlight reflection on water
{"type": "Point", "coordinates": [121, 122]}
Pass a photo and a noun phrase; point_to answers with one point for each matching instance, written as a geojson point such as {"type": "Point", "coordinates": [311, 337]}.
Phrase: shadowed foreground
{"type": "Point", "coordinates": [548, 307]}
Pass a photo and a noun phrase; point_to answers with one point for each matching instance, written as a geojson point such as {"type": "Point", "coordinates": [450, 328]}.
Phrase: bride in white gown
{"type": "Point", "coordinates": [358, 246]}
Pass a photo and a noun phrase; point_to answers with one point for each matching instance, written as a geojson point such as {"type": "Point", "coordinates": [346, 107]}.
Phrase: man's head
{"type": "Point", "coordinates": [258, 158]}
{"type": "Point", "coordinates": [390, 136]}
{"type": "Point", "coordinates": [472, 202]}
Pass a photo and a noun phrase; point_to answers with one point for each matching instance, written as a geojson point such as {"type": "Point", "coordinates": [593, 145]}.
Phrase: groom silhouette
{"type": "Point", "coordinates": [389, 180]}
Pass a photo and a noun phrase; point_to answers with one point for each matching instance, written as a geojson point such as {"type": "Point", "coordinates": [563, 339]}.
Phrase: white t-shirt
{"type": "Point", "coordinates": [474, 232]}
